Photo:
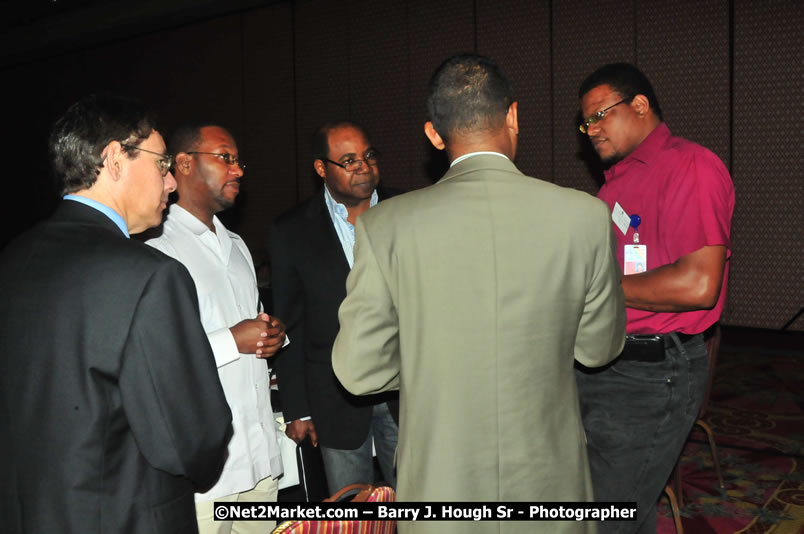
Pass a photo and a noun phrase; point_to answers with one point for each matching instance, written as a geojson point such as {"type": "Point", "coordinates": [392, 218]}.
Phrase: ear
{"type": "Point", "coordinates": [641, 105]}
{"type": "Point", "coordinates": [512, 119]}
{"type": "Point", "coordinates": [113, 156]}
{"type": "Point", "coordinates": [320, 168]}
{"type": "Point", "coordinates": [433, 136]}
{"type": "Point", "coordinates": [184, 163]}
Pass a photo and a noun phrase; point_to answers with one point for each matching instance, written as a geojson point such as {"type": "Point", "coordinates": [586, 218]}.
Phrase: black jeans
{"type": "Point", "coordinates": [637, 416]}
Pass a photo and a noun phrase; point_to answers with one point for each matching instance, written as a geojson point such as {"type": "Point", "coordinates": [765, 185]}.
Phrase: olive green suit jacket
{"type": "Point", "coordinates": [474, 297]}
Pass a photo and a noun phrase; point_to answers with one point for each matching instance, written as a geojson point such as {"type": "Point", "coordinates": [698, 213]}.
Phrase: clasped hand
{"type": "Point", "coordinates": [263, 335]}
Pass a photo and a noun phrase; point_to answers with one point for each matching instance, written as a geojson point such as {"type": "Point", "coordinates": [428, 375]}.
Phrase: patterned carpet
{"type": "Point", "coordinates": [756, 411]}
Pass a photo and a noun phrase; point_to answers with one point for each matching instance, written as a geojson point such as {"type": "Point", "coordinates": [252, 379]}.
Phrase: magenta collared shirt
{"type": "Point", "coordinates": [685, 197]}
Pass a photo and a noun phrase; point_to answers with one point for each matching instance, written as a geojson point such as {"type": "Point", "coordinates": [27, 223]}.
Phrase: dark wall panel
{"type": "Point", "coordinates": [269, 122]}
{"type": "Point", "coordinates": [517, 36]}
{"type": "Point", "coordinates": [322, 32]}
{"type": "Point", "coordinates": [436, 31]}
{"type": "Point", "coordinates": [31, 106]}
{"type": "Point", "coordinates": [188, 72]}
{"type": "Point", "coordinates": [683, 48]}
{"type": "Point", "coordinates": [379, 71]}
{"type": "Point", "coordinates": [191, 73]}
{"type": "Point", "coordinates": [582, 42]}
{"type": "Point", "coordinates": [767, 278]}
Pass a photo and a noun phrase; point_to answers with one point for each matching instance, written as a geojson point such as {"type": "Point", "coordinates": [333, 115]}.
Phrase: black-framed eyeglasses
{"type": "Point", "coordinates": [165, 161]}
{"type": "Point", "coordinates": [372, 157]}
{"type": "Point", "coordinates": [229, 159]}
{"type": "Point", "coordinates": [599, 116]}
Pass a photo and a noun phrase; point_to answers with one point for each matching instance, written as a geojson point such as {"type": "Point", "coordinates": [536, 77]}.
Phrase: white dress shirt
{"type": "Point", "coordinates": [344, 229]}
{"type": "Point", "coordinates": [223, 272]}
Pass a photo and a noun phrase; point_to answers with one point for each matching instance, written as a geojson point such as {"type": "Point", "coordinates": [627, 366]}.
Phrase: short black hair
{"type": "Point", "coordinates": [79, 137]}
{"type": "Point", "coordinates": [187, 136]}
{"type": "Point", "coordinates": [468, 92]}
{"type": "Point", "coordinates": [320, 143]}
{"type": "Point", "coordinates": [627, 80]}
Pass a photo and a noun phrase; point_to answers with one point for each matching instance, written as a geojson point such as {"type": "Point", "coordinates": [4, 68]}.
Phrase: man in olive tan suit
{"type": "Point", "coordinates": [474, 297]}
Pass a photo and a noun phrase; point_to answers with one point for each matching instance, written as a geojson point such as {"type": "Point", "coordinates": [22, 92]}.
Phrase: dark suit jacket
{"type": "Point", "coordinates": [111, 411]}
{"type": "Point", "coordinates": [308, 273]}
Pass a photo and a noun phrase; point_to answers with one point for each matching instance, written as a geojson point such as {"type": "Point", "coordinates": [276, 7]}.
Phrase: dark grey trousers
{"type": "Point", "coordinates": [637, 416]}
{"type": "Point", "coordinates": [344, 467]}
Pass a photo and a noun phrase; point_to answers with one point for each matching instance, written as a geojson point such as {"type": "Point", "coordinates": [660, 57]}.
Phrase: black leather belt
{"type": "Point", "coordinates": [708, 333]}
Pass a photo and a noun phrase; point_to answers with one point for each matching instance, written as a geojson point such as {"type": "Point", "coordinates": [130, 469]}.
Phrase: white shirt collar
{"type": "Point", "coordinates": [337, 209]}
{"type": "Point", "coordinates": [482, 153]}
{"type": "Point", "coordinates": [192, 222]}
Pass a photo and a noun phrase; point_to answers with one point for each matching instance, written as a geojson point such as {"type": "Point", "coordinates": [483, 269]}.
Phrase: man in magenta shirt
{"type": "Point", "coordinates": [672, 203]}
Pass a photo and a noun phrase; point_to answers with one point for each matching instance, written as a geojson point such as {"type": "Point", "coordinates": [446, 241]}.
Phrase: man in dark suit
{"type": "Point", "coordinates": [111, 411]}
{"type": "Point", "coordinates": [311, 254]}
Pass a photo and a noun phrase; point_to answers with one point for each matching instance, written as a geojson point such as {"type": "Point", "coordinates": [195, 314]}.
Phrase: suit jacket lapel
{"type": "Point", "coordinates": [324, 229]}
{"type": "Point", "coordinates": [324, 235]}
{"type": "Point", "coordinates": [383, 193]}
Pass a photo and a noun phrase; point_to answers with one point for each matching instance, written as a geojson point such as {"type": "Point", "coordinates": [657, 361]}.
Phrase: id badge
{"type": "Point", "coordinates": [635, 259]}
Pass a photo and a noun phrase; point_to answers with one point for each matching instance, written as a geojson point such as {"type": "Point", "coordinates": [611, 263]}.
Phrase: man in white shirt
{"type": "Point", "coordinates": [208, 173]}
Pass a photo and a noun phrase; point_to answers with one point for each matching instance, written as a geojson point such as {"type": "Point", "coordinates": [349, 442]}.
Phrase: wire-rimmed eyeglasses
{"type": "Point", "coordinates": [599, 116]}
{"type": "Point", "coordinates": [371, 157]}
{"type": "Point", "coordinates": [165, 162]}
{"type": "Point", "coordinates": [229, 159]}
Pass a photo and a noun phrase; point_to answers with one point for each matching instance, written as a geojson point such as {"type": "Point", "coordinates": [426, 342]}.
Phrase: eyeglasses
{"type": "Point", "coordinates": [229, 159]}
{"type": "Point", "coordinates": [372, 157]}
{"type": "Point", "coordinates": [600, 115]}
{"type": "Point", "coordinates": [165, 162]}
